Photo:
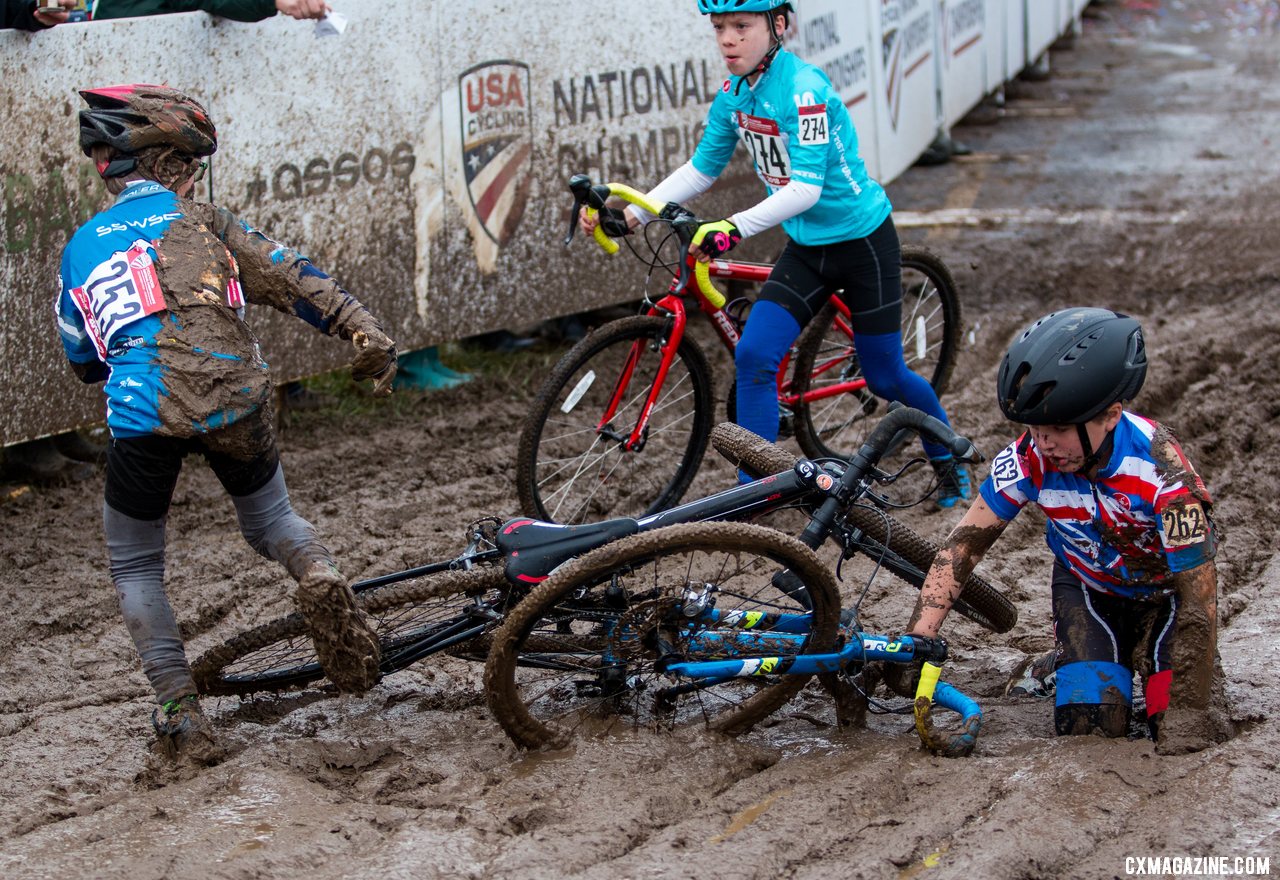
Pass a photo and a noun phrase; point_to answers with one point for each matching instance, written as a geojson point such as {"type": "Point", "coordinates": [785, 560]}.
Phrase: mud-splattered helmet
{"type": "Point", "coordinates": [1070, 365]}
{"type": "Point", "coordinates": [130, 118]}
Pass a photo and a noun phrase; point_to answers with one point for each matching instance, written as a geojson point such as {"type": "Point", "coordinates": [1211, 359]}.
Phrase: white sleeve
{"type": "Point", "coordinates": [794, 198]}
{"type": "Point", "coordinates": [681, 185]}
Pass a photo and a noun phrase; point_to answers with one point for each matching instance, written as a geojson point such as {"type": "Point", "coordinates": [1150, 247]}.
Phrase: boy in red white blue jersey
{"type": "Point", "coordinates": [1134, 589]}
{"type": "Point", "coordinates": [1130, 528]}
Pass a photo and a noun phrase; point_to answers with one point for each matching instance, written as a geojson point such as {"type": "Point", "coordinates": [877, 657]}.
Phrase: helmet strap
{"type": "Point", "coordinates": [1092, 456]}
{"type": "Point", "coordinates": [768, 56]}
{"type": "Point", "coordinates": [117, 167]}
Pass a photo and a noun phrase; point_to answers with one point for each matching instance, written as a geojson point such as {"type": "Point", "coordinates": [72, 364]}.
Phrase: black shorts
{"type": "Point", "coordinates": [867, 271]}
{"type": "Point", "coordinates": [143, 471]}
{"type": "Point", "coordinates": [1093, 626]}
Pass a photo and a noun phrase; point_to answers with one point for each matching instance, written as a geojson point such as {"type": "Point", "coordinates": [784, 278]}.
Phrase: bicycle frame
{"type": "Point", "coordinates": [758, 643]}
{"type": "Point", "coordinates": [711, 303]}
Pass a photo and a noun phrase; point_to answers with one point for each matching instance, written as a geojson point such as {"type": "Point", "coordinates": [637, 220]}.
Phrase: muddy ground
{"type": "Point", "coordinates": [1140, 176]}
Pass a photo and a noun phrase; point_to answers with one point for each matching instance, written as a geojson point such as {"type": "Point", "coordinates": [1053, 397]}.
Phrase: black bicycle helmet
{"type": "Point", "coordinates": [1070, 365]}
{"type": "Point", "coordinates": [130, 118]}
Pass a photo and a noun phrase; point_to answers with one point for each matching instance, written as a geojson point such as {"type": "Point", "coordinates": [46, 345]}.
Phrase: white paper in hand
{"type": "Point", "coordinates": [333, 24]}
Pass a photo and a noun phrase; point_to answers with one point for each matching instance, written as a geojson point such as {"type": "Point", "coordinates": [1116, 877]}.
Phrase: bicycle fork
{"type": "Point", "coordinates": [672, 337]}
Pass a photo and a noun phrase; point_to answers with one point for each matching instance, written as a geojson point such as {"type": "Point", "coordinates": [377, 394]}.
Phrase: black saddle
{"type": "Point", "coordinates": [534, 549]}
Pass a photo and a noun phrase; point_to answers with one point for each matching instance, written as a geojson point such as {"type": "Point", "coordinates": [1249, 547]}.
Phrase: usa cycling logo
{"type": "Point", "coordinates": [497, 143]}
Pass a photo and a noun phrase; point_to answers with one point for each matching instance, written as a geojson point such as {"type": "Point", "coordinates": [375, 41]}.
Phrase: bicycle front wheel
{"type": "Point", "coordinates": [588, 648]}
{"type": "Point", "coordinates": [572, 463]}
{"type": "Point", "coordinates": [835, 426]}
{"type": "Point", "coordinates": [411, 619]}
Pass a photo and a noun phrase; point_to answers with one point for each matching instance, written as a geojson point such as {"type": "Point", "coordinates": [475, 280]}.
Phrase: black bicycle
{"type": "Point", "coordinates": [455, 605]}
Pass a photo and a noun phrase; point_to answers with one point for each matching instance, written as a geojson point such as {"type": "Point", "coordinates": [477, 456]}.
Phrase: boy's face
{"type": "Point", "coordinates": [744, 39]}
{"type": "Point", "coordinates": [1060, 444]}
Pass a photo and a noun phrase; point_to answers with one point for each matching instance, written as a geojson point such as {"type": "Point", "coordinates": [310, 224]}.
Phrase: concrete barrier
{"type": "Point", "coordinates": [421, 156]}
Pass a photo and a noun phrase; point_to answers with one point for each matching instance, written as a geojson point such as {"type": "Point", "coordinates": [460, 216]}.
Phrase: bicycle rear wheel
{"type": "Point", "coordinates": [570, 469]}
{"type": "Point", "coordinates": [582, 651]}
{"type": "Point", "coordinates": [411, 619]}
{"type": "Point", "coordinates": [896, 546]}
{"type": "Point", "coordinates": [834, 427]}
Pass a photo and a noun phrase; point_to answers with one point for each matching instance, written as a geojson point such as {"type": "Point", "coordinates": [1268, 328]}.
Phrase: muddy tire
{"type": "Point", "coordinates": [568, 472]}
{"type": "Point", "coordinates": [834, 427]}
{"type": "Point", "coordinates": [407, 617]}
{"type": "Point", "coordinates": [632, 593]}
{"type": "Point", "coordinates": [898, 548]}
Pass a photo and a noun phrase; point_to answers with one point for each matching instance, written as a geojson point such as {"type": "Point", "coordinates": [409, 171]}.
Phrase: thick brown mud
{"type": "Point", "coordinates": [1140, 176]}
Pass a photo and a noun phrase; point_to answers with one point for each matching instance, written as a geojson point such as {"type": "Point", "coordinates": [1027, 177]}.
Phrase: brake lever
{"type": "Point", "coordinates": [684, 224]}
{"type": "Point", "coordinates": [580, 186]}
{"type": "Point", "coordinates": [573, 222]}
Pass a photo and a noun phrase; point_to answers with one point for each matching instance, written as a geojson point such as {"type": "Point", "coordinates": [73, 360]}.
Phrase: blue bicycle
{"type": "Point", "coordinates": [716, 623]}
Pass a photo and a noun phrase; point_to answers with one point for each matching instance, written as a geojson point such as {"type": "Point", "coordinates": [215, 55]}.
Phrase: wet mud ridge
{"type": "Point", "coordinates": [1160, 145]}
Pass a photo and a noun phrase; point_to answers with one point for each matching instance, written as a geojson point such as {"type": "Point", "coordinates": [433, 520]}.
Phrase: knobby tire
{"type": "Point", "coordinates": [514, 644]}
{"type": "Point", "coordinates": [288, 659]}
{"type": "Point", "coordinates": [979, 600]}
{"type": "Point", "coordinates": [566, 472]}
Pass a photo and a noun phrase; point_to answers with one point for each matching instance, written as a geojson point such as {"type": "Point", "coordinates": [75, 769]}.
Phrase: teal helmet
{"type": "Point", "coordinates": [722, 7]}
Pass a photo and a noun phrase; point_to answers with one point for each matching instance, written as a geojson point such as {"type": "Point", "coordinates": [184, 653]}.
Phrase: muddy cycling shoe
{"type": "Point", "coordinates": [347, 647]}
{"type": "Point", "coordinates": [953, 482]}
{"type": "Point", "coordinates": [184, 733]}
{"type": "Point", "coordinates": [1034, 677]}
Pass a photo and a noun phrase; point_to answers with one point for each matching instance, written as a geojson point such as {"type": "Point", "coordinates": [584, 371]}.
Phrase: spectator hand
{"type": "Point", "coordinates": [302, 9]}
{"type": "Point", "coordinates": [375, 359]}
{"type": "Point", "coordinates": [50, 18]}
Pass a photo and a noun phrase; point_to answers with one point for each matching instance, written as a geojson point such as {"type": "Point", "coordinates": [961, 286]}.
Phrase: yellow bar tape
{"type": "Point", "coordinates": [701, 272]}
{"type": "Point", "coordinates": [929, 675]}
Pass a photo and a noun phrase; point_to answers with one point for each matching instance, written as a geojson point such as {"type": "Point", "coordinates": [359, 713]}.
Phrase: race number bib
{"type": "Point", "coordinates": [813, 124]}
{"type": "Point", "coordinates": [1184, 525]}
{"type": "Point", "coordinates": [123, 289]}
{"type": "Point", "coordinates": [768, 148]}
{"type": "Point", "coordinates": [1005, 471]}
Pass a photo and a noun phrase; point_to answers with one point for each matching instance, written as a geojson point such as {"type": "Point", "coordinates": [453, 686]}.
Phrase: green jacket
{"type": "Point", "coordinates": [236, 10]}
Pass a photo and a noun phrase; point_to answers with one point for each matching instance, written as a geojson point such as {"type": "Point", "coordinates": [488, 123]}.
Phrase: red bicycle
{"type": "Point", "coordinates": [620, 425]}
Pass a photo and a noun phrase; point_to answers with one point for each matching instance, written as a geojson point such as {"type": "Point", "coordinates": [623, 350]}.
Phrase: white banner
{"type": "Point", "coordinates": [963, 32]}
{"type": "Point", "coordinates": [905, 83]}
{"type": "Point", "coordinates": [421, 156]}
{"type": "Point", "coordinates": [836, 36]}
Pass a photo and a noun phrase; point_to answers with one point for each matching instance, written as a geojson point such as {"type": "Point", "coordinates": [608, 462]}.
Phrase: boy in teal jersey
{"type": "Point", "coordinates": [805, 151]}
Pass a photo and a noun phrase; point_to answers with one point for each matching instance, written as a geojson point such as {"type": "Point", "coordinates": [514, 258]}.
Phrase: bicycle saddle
{"type": "Point", "coordinates": [534, 549]}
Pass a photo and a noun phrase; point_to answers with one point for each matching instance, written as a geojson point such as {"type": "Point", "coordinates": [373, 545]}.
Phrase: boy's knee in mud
{"type": "Point", "coordinates": [1091, 697]}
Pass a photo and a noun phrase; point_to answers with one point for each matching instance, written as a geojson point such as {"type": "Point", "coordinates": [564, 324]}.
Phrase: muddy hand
{"type": "Point", "coordinates": [1183, 731]}
{"type": "Point", "coordinates": [375, 359]}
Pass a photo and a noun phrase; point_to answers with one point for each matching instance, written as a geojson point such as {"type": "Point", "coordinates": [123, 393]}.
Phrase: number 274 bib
{"type": "Point", "coordinates": [122, 289]}
{"type": "Point", "coordinates": [768, 148]}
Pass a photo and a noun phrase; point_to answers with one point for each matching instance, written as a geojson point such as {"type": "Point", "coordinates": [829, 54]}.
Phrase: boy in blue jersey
{"type": "Point", "coordinates": [152, 302]}
{"type": "Point", "coordinates": [805, 151]}
{"type": "Point", "coordinates": [1128, 520]}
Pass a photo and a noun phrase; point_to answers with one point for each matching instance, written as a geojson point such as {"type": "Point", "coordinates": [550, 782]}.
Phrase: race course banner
{"type": "Point", "coordinates": [431, 182]}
